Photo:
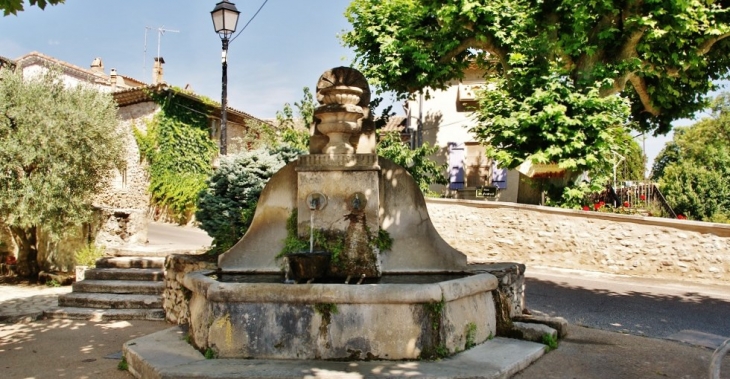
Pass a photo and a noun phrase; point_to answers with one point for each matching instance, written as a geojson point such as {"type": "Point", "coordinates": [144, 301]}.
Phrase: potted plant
{"type": "Point", "coordinates": [86, 258]}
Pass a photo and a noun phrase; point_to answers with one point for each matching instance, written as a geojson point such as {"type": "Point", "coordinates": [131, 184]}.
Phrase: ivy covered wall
{"type": "Point", "coordinates": [179, 151]}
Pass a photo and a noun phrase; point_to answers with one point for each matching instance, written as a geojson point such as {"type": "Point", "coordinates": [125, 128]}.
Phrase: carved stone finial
{"type": "Point", "coordinates": [343, 77]}
{"type": "Point", "coordinates": [342, 122]}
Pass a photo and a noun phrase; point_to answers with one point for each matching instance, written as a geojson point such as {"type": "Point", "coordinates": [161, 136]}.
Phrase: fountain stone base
{"type": "Point", "coordinates": [339, 321]}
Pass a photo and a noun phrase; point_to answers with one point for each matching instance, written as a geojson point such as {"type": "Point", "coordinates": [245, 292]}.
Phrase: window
{"type": "Point", "coordinates": [456, 165]}
{"type": "Point", "coordinates": [499, 176]}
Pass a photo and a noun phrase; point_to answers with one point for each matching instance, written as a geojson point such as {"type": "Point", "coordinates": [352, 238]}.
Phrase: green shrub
{"type": "Point", "coordinates": [209, 354]}
{"type": "Point", "coordinates": [417, 161]}
{"type": "Point", "coordinates": [226, 207]}
{"type": "Point", "coordinates": [88, 255]}
{"type": "Point", "coordinates": [550, 342]}
{"type": "Point", "coordinates": [471, 333]}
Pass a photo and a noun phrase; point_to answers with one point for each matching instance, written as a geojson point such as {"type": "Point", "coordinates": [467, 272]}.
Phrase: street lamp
{"type": "Point", "coordinates": [225, 19]}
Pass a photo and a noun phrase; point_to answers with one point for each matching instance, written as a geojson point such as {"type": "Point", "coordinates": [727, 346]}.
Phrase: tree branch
{"type": "Point", "coordinates": [707, 45]}
{"type": "Point", "coordinates": [619, 83]}
{"type": "Point", "coordinates": [472, 42]}
{"type": "Point", "coordinates": [640, 87]}
{"type": "Point", "coordinates": [705, 48]}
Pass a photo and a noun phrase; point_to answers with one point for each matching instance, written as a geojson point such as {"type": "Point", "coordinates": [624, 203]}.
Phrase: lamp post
{"type": "Point", "coordinates": [225, 19]}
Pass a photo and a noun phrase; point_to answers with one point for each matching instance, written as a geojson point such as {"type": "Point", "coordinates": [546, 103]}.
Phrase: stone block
{"type": "Point", "coordinates": [558, 323]}
{"type": "Point", "coordinates": [533, 332]}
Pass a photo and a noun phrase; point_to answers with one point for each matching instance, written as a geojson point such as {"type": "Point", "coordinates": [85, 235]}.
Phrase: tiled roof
{"type": "Point", "coordinates": [395, 124]}
{"type": "Point", "coordinates": [141, 94]}
{"type": "Point", "coordinates": [36, 57]}
{"type": "Point", "coordinates": [71, 69]}
{"type": "Point", "coordinates": [6, 62]}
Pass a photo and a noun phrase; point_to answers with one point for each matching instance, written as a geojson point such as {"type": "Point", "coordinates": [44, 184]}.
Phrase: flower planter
{"type": "Point", "coordinates": [81, 272]}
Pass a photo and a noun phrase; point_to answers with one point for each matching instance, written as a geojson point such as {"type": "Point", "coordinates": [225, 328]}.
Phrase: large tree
{"type": "Point", "coordinates": [693, 169]}
{"type": "Point", "coordinates": [13, 6]}
{"type": "Point", "coordinates": [553, 67]}
{"type": "Point", "coordinates": [57, 145]}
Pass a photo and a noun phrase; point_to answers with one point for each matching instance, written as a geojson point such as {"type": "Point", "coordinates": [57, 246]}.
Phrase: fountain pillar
{"type": "Point", "coordinates": [344, 170]}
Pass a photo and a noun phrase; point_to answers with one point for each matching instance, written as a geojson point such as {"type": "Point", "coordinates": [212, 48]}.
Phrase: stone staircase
{"type": "Point", "coordinates": [119, 288]}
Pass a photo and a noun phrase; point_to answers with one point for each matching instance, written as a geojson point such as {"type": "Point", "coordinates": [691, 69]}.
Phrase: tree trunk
{"type": "Point", "coordinates": [27, 241]}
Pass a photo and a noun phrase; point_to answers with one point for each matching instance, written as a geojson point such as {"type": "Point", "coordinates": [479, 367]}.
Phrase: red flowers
{"type": "Point", "coordinates": [681, 217]}
{"type": "Point", "coordinates": [626, 204]}
{"type": "Point", "coordinates": [586, 208]}
{"type": "Point", "coordinates": [642, 197]}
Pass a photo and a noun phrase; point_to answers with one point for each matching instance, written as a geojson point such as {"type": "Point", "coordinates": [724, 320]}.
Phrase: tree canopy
{"type": "Point", "coordinates": [551, 66]}
{"type": "Point", "coordinates": [57, 145]}
{"type": "Point", "coordinates": [14, 6]}
{"type": "Point", "coordinates": [295, 130]}
{"type": "Point", "coordinates": [693, 169]}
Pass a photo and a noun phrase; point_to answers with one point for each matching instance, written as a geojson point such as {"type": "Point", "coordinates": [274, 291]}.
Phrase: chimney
{"type": "Point", "coordinates": [157, 71]}
{"type": "Point", "coordinates": [113, 78]}
{"type": "Point", "coordinates": [97, 65]}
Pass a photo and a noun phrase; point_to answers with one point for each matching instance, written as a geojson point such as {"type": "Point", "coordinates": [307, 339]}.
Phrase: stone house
{"type": "Point", "coordinates": [444, 118]}
{"type": "Point", "coordinates": [123, 207]}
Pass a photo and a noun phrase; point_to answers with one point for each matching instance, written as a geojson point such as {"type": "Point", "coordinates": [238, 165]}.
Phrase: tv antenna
{"type": "Point", "coordinates": [160, 31]}
{"type": "Point", "coordinates": [144, 55]}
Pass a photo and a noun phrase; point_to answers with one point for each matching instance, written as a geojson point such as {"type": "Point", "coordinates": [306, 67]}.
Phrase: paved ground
{"type": "Point", "coordinates": [24, 302]}
{"type": "Point", "coordinates": [650, 307]}
{"type": "Point", "coordinates": [72, 349]}
{"type": "Point", "coordinates": [82, 349]}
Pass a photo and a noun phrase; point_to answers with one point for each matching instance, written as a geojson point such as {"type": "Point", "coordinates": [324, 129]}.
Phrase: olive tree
{"type": "Point", "coordinates": [57, 146]}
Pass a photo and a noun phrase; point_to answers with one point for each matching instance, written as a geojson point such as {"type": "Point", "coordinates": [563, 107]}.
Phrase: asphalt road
{"type": "Point", "coordinates": [647, 307]}
{"type": "Point", "coordinates": [163, 234]}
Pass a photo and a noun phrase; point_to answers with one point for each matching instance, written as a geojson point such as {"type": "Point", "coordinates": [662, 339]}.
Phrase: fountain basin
{"type": "Point", "coordinates": [385, 321]}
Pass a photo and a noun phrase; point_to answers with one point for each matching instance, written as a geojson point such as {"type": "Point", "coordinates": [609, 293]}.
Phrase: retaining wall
{"type": "Point", "coordinates": [585, 240]}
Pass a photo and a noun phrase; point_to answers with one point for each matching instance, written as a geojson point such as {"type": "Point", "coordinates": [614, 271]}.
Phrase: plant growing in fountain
{"type": "Point", "coordinates": [319, 239]}
{"type": "Point", "coordinates": [329, 241]}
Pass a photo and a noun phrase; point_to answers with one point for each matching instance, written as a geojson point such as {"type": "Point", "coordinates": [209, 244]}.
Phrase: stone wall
{"type": "Point", "coordinates": [125, 199]}
{"type": "Point", "coordinates": [176, 296]}
{"type": "Point", "coordinates": [595, 241]}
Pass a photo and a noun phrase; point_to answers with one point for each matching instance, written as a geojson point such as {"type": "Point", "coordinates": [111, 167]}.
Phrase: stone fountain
{"type": "Point", "coordinates": [415, 300]}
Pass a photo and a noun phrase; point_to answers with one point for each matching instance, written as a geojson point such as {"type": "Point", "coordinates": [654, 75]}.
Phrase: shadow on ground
{"type": "Point", "coordinates": [68, 348]}
{"type": "Point", "coordinates": [629, 311]}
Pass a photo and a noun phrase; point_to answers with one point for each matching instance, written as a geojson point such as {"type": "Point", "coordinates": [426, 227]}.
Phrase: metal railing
{"type": "Point", "coordinates": [636, 194]}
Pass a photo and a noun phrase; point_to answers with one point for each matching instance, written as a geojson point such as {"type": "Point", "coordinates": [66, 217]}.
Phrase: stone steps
{"type": "Point", "coordinates": [151, 251]}
{"type": "Point", "coordinates": [119, 287]}
{"type": "Point", "coordinates": [110, 301]}
{"type": "Point", "coordinates": [91, 314]}
{"type": "Point", "coordinates": [131, 262]}
{"type": "Point", "coordinates": [137, 274]}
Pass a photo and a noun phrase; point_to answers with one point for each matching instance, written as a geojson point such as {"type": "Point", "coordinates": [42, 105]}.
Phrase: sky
{"type": "Point", "coordinates": [286, 47]}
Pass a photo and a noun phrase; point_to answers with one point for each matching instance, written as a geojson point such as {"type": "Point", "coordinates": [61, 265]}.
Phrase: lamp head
{"type": "Point", "coordinates": [225, 18]}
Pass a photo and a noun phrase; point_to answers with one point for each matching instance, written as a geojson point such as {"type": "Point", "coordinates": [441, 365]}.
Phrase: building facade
{"type": "Point", "coordinates": [123, 208]}
{"type": "Point", "coordinates": [444, 118]}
